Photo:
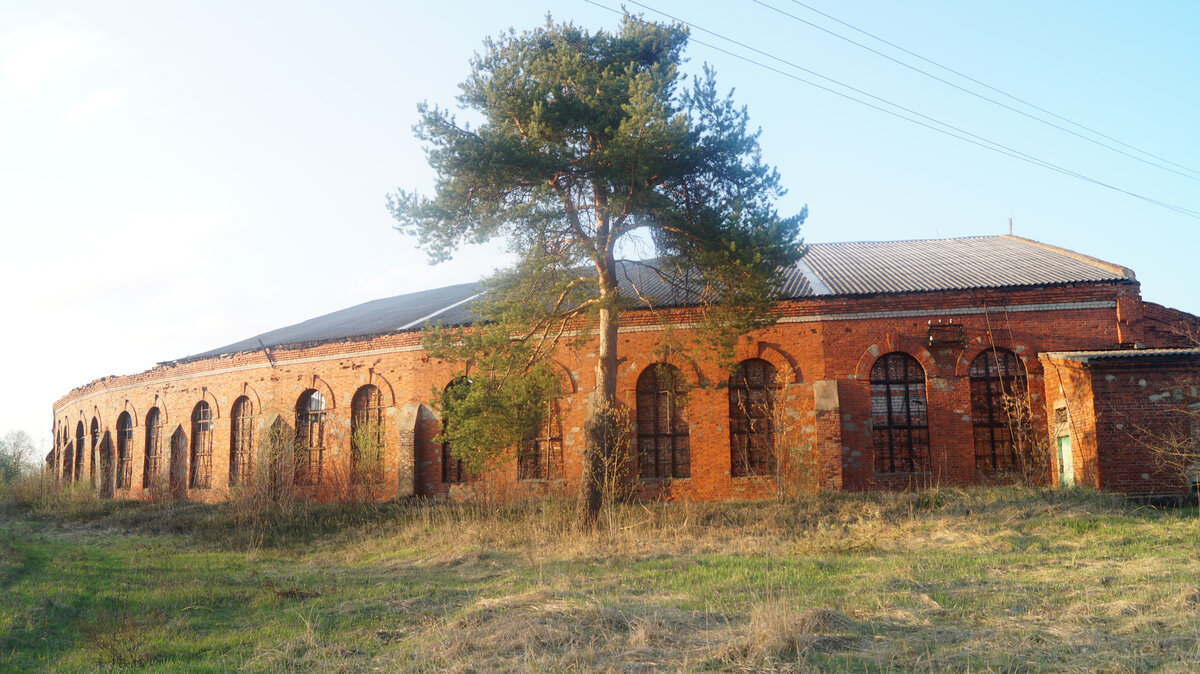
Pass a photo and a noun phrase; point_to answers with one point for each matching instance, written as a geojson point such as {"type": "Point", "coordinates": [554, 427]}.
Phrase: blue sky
{"type": "Point", "coordinates": [178, 176]}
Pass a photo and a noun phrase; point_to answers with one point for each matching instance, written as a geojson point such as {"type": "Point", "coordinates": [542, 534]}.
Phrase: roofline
{"type": "Point", "coordinates": [798, 298]}
{"type": "Point", "coordinates": [1094, 261]}
{"type": "Point", "coordinates": [1122, 355]}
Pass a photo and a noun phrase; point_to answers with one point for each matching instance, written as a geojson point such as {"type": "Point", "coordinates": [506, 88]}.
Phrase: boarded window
{"type": "Point", "coordinates": [899, 424]}
{"type": "Point", "coordinates": [452, 468]}
{"type": "Point", "coordinates": [663, 449]}
{"type": "Point", "coordinates": [541, 455]}
{"type": "Point", "coordinates": [241, 441]}
{"type": "Point", "coordinates": [367, 437]}
{"type": "Point", "coordinates": [124, 451]}
{"type": "Point", "coordinates": [752, 390]}
{"type": "Point", "coordinates": [201, 455]}
{"type": "Point", "coordinates": [999, 410]}
{"type": "Point", "coordinates": [310, 437]}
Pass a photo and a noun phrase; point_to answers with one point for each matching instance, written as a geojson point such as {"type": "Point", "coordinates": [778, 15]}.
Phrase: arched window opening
{"type": "Point", "coordinates": [752, 391]}
{"type": "Point", "coordinates": [899, 422]}
{"type": "Point", "coordinates": [93, 443]}
{"type": "Point", "coordinates": [201, 456]}
{"type": "Point", "coordinates": [540, 457]}
{"type": "Point", "coordinates": [999, 411]}
{"type": "Point", "coordinates": [152, 460]}
{"type": "Point", "coordinates": [124, 451]}
{"type": "Point", "coordinates": [310, 437]}
{"type": "Point", "coordinates": [78, 468]}
{"type": "Point", "coordinates": [452, 468]}
{"type": "Point", "coordinates": [68, 466]}
{"type": "Point", "coordinates": [241, 441]}
{"type": "Point", "coordinates": [663, 443]}
{"type": "Point", "coordinates": [367, 437]}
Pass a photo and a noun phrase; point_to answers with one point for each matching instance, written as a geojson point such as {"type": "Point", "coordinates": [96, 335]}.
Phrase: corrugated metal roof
{"type": "Point", "coordinates": [950, 264]}
{"type": "Point", "coordinates": [1122, 354]}
{"type": "Point", "coordinates": [827, 269]}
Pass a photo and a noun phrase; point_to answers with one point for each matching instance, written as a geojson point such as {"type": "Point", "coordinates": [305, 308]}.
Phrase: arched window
{"type": "Point", "coordinates": [93, 443]}
{"type": "Point", "coordinates": [998, 387]}
{"type": "Point", "coordinates": [751, 418]}
{"type": "Point", "coordinates": [152, 461]}
{"type": "Point", "coordinates": [201, 457]}
{"type": "Point", "coordinates": [899, 423]}
{"type": "Point", "coordinates": [79, 435]}
{"type": "Point", "coordinates": [452, 468]}
{"type": "Point", "coordinates": [540, 457]}
{"type": "Point", "coordinates": [310, 437]}
{"type": "Point", "coordinates": [663, 449]}
{"type": "Point", "coordinates": [124, 451]}
{"type": "Point", "coordinates": [241, 440]}
{"type": "Point", "coordinates": [367, 437]}
{"type": "Point", "coordinates": [68, 466]}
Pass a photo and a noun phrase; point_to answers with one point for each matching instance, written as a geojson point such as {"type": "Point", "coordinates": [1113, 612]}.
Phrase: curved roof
{"type": "Point", "coordinates": [827, 269]}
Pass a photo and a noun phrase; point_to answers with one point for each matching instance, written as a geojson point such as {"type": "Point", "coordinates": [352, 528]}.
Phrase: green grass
{"type": "Point", "coordinates": [1000, 579]}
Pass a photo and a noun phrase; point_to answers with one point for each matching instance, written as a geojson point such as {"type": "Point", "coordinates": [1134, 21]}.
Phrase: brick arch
{"type": "Point", "coordinates": [216, 408]}
{"type": "Point", "coordinates": [330, 399]}
{"type": "Point", "coordinates": [686, 365]}
{"type": "Point", "coordinates": [132, 410]}
{"type": "Point", "coordinates": [566, 382]}
{"type": "Point", "coordinates": [774, 354]}
{"type": "Point", "coordinates": [962, 366]}
{"type": "Point", "coordinates": [862, 371]}
{"type": "Point", "coordinates": [161, 403]}
{"type": "Point", "coordinates": [374, 379]}
{"type": "Point", "coordinates": [248, 390]}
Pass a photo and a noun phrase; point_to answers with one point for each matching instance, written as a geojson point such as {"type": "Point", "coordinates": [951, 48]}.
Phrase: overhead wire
{"type": "Point", "coordinates": [965, 136]}
{"type": "Point", "coordinates": [975, 93]}
{"type": "Point", "coordinates": [992, 88]}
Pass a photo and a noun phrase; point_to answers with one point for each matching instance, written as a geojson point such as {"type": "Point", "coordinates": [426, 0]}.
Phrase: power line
{"type": "Point", "coordinates": [978, 95]}
{"type": "Point", "coordinates": [966, 137]}
{"type": "Point", "coordinates": [990, 87]}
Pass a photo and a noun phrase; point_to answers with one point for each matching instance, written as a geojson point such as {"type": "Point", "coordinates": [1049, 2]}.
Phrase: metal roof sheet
{"type": "Point", "coordinates": [1123, 354]}
{"type": "Point", "coordinates": [827, 269]}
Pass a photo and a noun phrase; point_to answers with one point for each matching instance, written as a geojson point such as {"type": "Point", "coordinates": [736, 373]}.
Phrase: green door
{"type": "Point", "coordinates": [1066, 465]}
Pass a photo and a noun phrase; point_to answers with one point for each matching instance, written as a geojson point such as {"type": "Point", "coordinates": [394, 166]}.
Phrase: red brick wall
{"type": "Point", "coordinates": [833, 339]}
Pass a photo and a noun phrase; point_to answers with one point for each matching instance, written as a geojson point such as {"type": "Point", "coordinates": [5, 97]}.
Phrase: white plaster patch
{"type": "Point", "coordinates": [1142, 382]}
{"type": "Point", "coordinates": [1145, 476]}
{"type": "Point", "coordinates": [1109, 377]}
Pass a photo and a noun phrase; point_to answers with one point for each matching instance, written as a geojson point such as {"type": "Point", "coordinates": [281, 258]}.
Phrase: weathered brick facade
{"type": "Point", "coordinates": [824, 349]}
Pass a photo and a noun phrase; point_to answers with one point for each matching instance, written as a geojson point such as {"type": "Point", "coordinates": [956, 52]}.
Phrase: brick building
{"type": "Point", "coordinates": [892, 364]}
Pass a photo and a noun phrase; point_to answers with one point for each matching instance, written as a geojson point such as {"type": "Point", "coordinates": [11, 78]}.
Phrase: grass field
{"type": "Point", "coordinates": [1001, 579]}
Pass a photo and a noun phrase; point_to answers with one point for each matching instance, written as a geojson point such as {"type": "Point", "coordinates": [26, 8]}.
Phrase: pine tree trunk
{"type": "Point", "coordinates": [599, 424]}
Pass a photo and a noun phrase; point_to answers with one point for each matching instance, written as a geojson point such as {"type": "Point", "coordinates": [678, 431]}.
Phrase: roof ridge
{"type": "Point", "coordinates": [943, 238]}
{"type": "Point", "coordinates": [1088, 259]}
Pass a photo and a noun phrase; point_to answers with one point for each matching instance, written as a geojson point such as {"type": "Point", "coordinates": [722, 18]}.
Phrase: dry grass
{"type": "Point", "coordinates": [1001, 579]}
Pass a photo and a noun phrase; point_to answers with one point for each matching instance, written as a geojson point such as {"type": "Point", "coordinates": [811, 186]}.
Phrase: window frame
{"type": "Point", "coordinates": [661, 388]}
{"type": "Point", "coordinates": [241, 441]}
{"type": "Point", "coordinates": [200, 455]}
{"type": "Point", "coordinates": [310, 426]}
{"type": "Point", "coordinates": [989, 416]}
{"type": "Point", "coordinates": [124, 451]}
{"type": "Point", "coordinates": [900, 447]}
{"type": "Point", "coordinates": [541, 455]}
{"type": "Point", "coordinates": [152, 456]}
{"type": "Point", "coordinates": [751, 422]}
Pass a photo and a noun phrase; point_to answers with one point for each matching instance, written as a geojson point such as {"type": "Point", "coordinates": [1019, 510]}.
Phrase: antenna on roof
{"type": "Point", "coordinates": [1010, 225]}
